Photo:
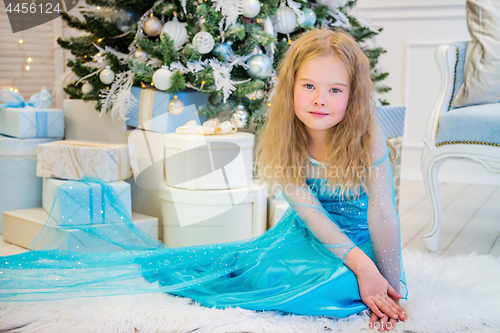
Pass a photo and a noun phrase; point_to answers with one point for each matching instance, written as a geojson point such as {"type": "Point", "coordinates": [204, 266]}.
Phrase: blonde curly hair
{"type": "Point", "coordinates": [283, 143]}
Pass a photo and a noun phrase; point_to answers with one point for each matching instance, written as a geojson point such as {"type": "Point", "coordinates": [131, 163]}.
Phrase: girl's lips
{"type": "Point", "coordinates": [319, 114]}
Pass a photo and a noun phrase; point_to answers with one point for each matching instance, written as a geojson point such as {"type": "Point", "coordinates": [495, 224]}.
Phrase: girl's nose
{"type": "Point", "coordinates": [319, 100]}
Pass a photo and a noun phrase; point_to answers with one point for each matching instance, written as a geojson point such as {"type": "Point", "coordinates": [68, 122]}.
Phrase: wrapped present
{"type": "Point", "coordinates": [391, 119]}
{"type": "Point", "coordinates": [77, 159]}
{"type": "Point", "coordinates": [19, 186]}
{"type": "Point", "coordinates": [151, 113]}
{"type": "Point", "coordinates": [213, 216]}
{"type": "Point", "coordinates": [22, 226]}
{"type": "Point", "coordinates": [75, 203]}
{"type": "Point", "coordinates": [30, 120]}
{"type": "Point", "coordinates": [209, 162]}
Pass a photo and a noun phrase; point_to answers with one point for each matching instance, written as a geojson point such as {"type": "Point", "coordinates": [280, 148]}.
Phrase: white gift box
{"type": "Point", "coordinates": [209, 162]}
{"type": "Point", "coordinates": [77, 159]}
{"type": "Point", "coordinates": [19, 186]}
{"type": "Point", "coordinates": [22, 226]}
{"type": "Point", "coordinates": [32, 123]}
{"type": "Point", "coordinates": [213, 216]}
{"type": "Point", "coordinates": [84, 203]}
{"type": "Point", "coordinates": [276, 208]}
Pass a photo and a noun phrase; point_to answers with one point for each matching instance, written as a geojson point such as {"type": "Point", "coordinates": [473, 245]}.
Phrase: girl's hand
{"type": "Point", "coordinates": [375, 291]}
{"type": "Point", "coordinates": [384, 323]}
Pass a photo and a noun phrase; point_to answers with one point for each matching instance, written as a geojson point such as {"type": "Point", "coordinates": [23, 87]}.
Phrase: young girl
{"type": "Point", "coordinates": [322, 147]}
{"type": "Point", "coordinates": [335, 252]}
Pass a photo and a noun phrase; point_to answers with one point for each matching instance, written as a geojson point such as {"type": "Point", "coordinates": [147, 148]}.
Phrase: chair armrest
{"type": "Point", "coordinates": [446, 58]}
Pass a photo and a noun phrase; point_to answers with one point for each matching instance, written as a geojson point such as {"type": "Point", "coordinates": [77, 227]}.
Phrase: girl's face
{"type": "Point", "coordinates": [321, 93]}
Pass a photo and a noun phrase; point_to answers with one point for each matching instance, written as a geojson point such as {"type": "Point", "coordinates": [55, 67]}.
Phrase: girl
{"type": "Point", "coordinates": [332, 163]}
{"type": "Point", "coordinates": [334, 252]}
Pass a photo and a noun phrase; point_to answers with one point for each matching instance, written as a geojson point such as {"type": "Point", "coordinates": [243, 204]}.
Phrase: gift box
{"type": "Point", "coordinates": [213, 216]}
{"type": "Point", "coordinates": [207, 162]}
{"type": "Point", "coordinates": [32, 123]}
{"type": "Point", "coordinates": [74, 203]}
{"type": "Point", "coordinates": [19, 186]}
{"type": "Point", "coordinates": [22, 226]}
{"type": "Point", "coordinates": [77, 159]}
{"type": "Point", "coordinates": [275, 210]}
{"type": "Point", "coordinates": [152, 112]}
{"type": "Point", "coordinates": [32, 119]}
{"type": "Point", "coordinates": [391, 119]}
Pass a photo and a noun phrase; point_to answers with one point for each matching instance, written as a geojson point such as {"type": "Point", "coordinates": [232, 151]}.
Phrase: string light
{"type": "Point", "coordinates": [11, 89]}
{"type": "Point", "coordinates": [85, 56]}
{"type": "Point", "coordinates": [29, 59]}
{"type": "Point", "coordinates": [152, 83]}
{"type": "Point", "coordinates": [15, 90]}
{"type": "Point", "coordinates": [21, 41]}
{"type": "Point", "coordinates": [268, 104]}
{"type": "Point", "coordinates": [27, 68]}
{"type": "Point", "coordinates": [99, 40]}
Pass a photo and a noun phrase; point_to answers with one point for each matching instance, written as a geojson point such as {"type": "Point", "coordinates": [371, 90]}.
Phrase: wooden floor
{"type": "Point", "coordinates": [471, 219]}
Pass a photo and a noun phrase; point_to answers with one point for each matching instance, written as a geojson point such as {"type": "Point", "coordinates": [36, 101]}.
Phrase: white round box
{"type": "Point", "coordinates": [213, 216]}
{"type": "Point", "coordinates": [211, 162]}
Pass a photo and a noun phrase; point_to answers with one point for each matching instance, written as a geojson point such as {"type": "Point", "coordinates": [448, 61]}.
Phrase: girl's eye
{"type": "Point", "coordinates": [335, 90]}
{"type": "Point", "coordinates": [308, 86]}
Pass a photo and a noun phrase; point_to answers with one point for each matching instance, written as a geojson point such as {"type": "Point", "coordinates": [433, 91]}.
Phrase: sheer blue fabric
{"type": "Point", "coordinates": [296, 266]}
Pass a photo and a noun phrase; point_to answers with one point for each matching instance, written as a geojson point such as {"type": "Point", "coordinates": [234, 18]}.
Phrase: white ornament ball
{"type": "Point", "coordinates": [152, 26]}
{"type": "Point", "coordinates": [239, 117]}
{"type": "Point", "coordinates": [286, 21]}
{"type": "Point", "coordinates": [204, 42]}
{"type": "Point", "coordinates": [161, 78]}
{"type": "Point", "coordinates": [175, 106]}
{"type": "Point", "coordinates": [87, 87]}
{"type": "Point", "coordinates": [176, 31]}
{"type": "Point", "coordinates": [107, 75]}
{"type": "Point", "coordinates": [250, 8]}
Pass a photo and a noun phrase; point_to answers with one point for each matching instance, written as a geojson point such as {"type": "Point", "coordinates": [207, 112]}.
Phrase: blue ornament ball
{"type": "Point", "coordinates": [309, 18]}
{"type": "Point", "coordinates": [125, 20]}
{"type": "Point", "coordinates": [223, 49]}
{"type": "Point", "coordinates": [260, 67]}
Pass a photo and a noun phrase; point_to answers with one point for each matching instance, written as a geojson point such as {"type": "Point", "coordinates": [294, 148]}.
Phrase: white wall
{"type": "Point", "coordinates": [412, 32]}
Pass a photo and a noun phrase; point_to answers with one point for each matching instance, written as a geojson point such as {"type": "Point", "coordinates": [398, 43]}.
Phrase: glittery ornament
{"type": "Point", "coordinates": [175, 106]}
{"type": "Point", "coordinates": [260, 67]}
{"type": "Point", "coordinates": [250, 8]}
{"type": "Point", "coordinates": [161, 78]}
{"type": "Point", "coordinates": [176, 31]}
{"type": "Point", "coordinates": [239, 117]}
{"type": "Point", "coordinates": [152, 26]}
{"type": "Point", "coordinates": [87, 87]}
{"type": "Point", "coordinates": [204, 42]}
{"type": "Point", "coordinates": [309, 18]}
{"type": "Point", "coordinates": [286, 21]}
{"type": "Point", "coordinates": [107, 75]}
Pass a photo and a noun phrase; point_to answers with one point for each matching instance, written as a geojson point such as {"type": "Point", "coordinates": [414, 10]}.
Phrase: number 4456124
{"type": "Point", "coordinates": [33, 8]}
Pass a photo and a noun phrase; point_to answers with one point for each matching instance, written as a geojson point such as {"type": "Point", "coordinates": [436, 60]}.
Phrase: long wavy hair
{"type": "Point", "coordinates": [283, 145]}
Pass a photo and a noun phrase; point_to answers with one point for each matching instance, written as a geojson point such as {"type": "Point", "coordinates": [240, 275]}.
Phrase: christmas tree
{"type": "Point", "coordinates": [227, 49]}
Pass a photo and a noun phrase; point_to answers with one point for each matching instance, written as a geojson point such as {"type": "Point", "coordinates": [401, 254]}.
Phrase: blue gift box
{"type": "Point", "coordinates": [77, 203]}
{"type": "Point", "coordinates": [20, 188]}
{"type": "Point", "coordinates": [152, 113]}
{"type": "Point", "coordinates": [32, 123]}
{"type": "Point", "coordinates": [391, 119]}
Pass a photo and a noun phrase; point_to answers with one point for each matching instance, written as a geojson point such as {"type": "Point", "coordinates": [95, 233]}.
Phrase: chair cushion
{"type": "Point", "coordinates": [476, 124]}
{"type": "Point", "coordinates": [482, 62]}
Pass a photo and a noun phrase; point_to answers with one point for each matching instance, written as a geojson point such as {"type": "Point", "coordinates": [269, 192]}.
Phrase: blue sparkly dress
{"type": "Point", "coordinates": [295, 267]}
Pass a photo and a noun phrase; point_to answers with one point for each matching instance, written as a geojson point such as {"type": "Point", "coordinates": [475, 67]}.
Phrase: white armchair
{"type": "Point", "coordinates": [462, 133]}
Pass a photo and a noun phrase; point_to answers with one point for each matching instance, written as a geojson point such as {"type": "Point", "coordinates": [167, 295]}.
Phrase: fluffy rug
{"type": "Point", "coordinates": [447, 294]}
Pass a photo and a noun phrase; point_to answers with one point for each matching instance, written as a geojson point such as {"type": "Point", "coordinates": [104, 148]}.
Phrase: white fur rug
{"type": "Point", "coordinates": [447, 294]}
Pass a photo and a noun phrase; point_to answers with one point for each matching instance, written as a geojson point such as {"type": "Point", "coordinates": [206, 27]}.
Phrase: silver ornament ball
{"type": "Point", "coordinates": [175, 106]}
{"type": "Point", "coordinates": [239, 117]}
{"type": "Point", "coordinates": [107, 75]}
{"type": "Point", "coordinates": [152, 26]}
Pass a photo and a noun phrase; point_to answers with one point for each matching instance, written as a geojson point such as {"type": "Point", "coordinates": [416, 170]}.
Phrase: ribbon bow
{"type": "Point", "coordinates": [209, 127]}
{"type": "Point", "coordinates": [40, 100]}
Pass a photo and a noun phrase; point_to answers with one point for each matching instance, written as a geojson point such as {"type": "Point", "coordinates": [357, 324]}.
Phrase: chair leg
{"type": "Point", "coordinates": [430, 171]}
